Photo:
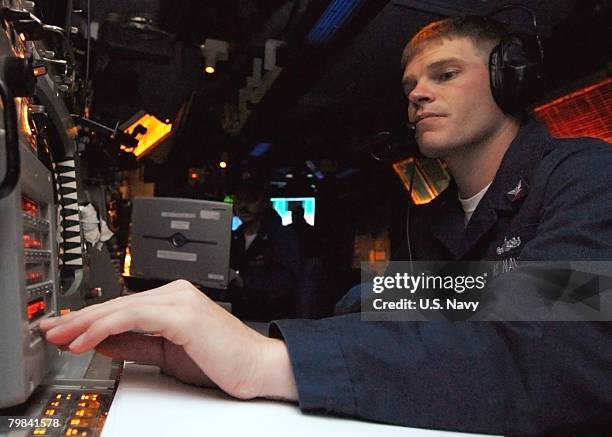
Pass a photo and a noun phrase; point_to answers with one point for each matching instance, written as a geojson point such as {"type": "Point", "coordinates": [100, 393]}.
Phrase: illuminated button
{"type": "Point", "coordinates": [78, 432]}
{"type": "Point", "coordinates": [39, 431]}
{"type": "Point", "coordinates": [81, 422]}
{"type": "Point", "coordinates": [85, 412]}
{"type": "Point", "coordinates": [89, 404]}
{"type": "Point", "coordinates": [50, 412]}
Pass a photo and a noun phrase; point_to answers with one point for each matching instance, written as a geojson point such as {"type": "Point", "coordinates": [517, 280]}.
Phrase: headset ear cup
{"type": "Point", "coordinates": [495, 76]}
{"type": "Point", "coordinates": [513, 76]}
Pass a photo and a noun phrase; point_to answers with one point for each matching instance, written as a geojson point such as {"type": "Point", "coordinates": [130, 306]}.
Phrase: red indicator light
{"type": "Point", "coordinates": [34, 277]}
{"type": "Point", "coordinates": [36, 309]}
{"type": "Point", "coordinates": [30, 242]}
{"type": "Point", "coordinates": [29, 206]}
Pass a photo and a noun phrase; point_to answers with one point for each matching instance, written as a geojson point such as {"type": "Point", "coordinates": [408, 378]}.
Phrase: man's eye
{"type": "Point", "coordinates": [447, 75]}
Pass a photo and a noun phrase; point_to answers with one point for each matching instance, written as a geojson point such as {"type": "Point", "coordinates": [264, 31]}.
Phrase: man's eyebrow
{"type": "Point", "coordinates": [409, 81]}
{"type": "Point", "coordinates": [444, 62]}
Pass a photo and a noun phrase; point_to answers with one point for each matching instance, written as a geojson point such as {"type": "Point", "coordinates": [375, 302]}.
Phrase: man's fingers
{"type": "Point", "coordinates": [164, 295]}
{"type": "Point", "coordinates": [70, 328]}
{"type": "Point", "coordinates": [52, 322]}
{"type": "Point", "coordinates": [148, 318]}
{"type": "Point", "coordinates": [130, 346]}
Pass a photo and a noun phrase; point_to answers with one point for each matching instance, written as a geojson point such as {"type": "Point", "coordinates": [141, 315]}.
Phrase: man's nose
{"type": "Point", "coordinates": [420, 94]}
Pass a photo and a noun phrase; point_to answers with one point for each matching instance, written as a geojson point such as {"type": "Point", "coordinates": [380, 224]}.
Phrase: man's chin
{"type": "Point", "coordinates": [434, 145]}
{"type": "Point", "coordinates": [432, 151]}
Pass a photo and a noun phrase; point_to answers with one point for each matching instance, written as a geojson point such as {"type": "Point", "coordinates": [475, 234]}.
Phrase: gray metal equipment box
{"type": "Point", "coordinates": [181, 239]}
{"type": "Point", "coordinates": [28, 272]}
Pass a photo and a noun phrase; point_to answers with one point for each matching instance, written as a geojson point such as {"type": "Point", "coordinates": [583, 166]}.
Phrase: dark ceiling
{"type": "Point", "coordinates": [328, 100]}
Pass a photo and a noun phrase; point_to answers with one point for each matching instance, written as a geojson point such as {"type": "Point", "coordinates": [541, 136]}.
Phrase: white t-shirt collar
{"type": "Point", "coordinates": [469, 205]}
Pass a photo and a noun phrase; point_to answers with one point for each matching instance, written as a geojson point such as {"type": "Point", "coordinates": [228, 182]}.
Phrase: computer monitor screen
{"type": "Point", "coordinates": [236, 222]}
{"type": "Point", "coordinates": [283, 206]}
{"type": "Point", "coordinates": [181, 239]}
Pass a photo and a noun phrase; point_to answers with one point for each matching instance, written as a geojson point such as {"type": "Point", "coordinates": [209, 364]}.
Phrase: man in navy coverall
{"type": "Point", "coordinates": [267, 256]}
{"type": "Point", "coordinates": [511, 182]}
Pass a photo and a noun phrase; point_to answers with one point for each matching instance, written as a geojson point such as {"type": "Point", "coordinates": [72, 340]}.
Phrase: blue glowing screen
{"type": "Point", "coordinates": [283, 205]}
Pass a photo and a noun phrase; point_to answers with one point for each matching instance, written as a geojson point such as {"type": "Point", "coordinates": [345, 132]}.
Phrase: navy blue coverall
{"type": "Point", "coordinates": [494, 377]}
{"type": "Point", "coordinates": [270, 268]}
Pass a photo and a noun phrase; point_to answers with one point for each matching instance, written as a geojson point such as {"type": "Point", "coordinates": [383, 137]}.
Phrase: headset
{"type": "Point", "coordinates": [514, 74]}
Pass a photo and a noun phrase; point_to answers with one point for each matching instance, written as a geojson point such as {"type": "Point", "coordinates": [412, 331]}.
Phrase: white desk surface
{"type": "Point", "coordinates": [150, 404]}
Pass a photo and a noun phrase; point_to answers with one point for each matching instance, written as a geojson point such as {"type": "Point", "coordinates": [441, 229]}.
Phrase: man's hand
{"type": "Point", "coordinates": [197, 341]}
